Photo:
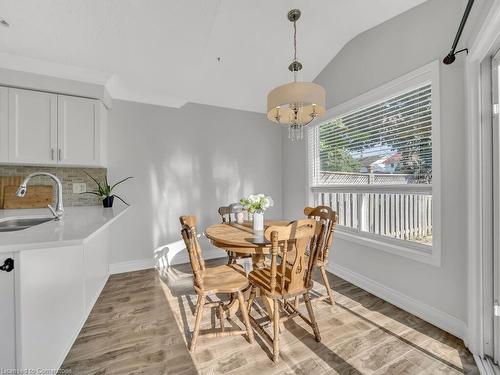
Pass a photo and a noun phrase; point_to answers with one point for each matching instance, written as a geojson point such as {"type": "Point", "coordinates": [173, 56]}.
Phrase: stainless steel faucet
{"type": "Point", "coordinates": [59, 210]}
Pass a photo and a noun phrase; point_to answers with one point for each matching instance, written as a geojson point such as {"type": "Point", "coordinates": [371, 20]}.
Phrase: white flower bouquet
{"type": "Point", "coordinates": [256, 203]}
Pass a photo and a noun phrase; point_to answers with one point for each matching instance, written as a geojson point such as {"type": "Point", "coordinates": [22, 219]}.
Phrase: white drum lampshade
{"type": "Point", "coordinates": [296, 103]}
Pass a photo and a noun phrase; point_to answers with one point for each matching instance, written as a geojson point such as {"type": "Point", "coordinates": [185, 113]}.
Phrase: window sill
{"type": "Point", "coordinates": [413, 251]}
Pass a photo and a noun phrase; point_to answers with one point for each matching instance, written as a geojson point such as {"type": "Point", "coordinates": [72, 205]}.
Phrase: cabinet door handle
{"type": "Point", "coordinates": [8, 265]}
{"type": "Point", "coordinates": [60, 154]}
{"type": "Point", "coordinates": [52, 151]}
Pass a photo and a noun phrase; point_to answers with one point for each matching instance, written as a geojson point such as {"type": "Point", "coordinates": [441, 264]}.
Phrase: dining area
{"type": "Point", "coordinates": [270, 264]}
{"type": "Point", "coordinates": [268, 303]}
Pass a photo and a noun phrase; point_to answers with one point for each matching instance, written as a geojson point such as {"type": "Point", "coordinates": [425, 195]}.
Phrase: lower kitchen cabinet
{"type": "Point", "coordinates": [47, 299]}
{"type": "Point", "coordinates": [51, 304]}
{"type": "Point", "coordinates": [96, 261]}
{"type": "Point", "coordinates": [7, 317]}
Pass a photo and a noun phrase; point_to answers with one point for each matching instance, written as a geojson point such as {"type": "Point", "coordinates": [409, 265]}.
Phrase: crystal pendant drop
{"type": "Point", "coordinates": [295, 132]}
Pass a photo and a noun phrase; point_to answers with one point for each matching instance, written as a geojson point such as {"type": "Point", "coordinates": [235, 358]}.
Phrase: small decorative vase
{"type": "Point", "coordinates": [258, 221]}
{"type": "Point", "coordinates": [108, 201]}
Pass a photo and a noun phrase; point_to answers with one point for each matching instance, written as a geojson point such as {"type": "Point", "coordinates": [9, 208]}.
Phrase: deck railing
{"type": "Point", "coordinates": [397, 211]}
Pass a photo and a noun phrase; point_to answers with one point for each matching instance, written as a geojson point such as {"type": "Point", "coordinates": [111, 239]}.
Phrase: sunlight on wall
{"type": "Point", "coordinates": [164, 255]}
{"type": "Point", "coordinates": [227, 183]}
{"type": "Point", "coordinates": [177, 189]}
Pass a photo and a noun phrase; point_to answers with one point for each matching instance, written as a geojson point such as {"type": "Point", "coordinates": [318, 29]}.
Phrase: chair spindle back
{"type": "Point", "coordinates": [228, 213]}
{"type": "Point", "coordinates": [293, 240]}
{"type": "Point", "coordinates": [326, 214]}
{"type": "Point", "coordinates": [193, 247]}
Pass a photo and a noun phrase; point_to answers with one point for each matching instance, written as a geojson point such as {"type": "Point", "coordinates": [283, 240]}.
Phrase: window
{"type": "Point", "coordinates": [372, 161]}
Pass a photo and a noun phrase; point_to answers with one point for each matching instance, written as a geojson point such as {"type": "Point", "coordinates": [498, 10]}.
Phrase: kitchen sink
{"type": "Point", "coordinates": [12, 225]}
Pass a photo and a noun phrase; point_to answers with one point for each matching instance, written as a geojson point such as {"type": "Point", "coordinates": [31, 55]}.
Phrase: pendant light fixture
{"type": "Point", "coordinates": [295, 104]}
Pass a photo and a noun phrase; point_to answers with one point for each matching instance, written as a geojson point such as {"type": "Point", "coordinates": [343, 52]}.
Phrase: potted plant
{"type": "Point", "coordinates": [105, 191]}
{"type": "Point", "coordinates": [256, 204]}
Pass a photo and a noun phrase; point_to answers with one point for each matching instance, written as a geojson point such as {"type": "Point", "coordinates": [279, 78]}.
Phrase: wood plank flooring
{"type": "Point", "coordinates": [142, 321]}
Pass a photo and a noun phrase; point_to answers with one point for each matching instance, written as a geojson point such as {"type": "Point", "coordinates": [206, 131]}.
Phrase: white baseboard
{"type": "Point", "coordinates": [131, 265]}
{"type": "Point", "coordinates": [144, 264]}
{"type": "Point", "coordinates": [428, 313]}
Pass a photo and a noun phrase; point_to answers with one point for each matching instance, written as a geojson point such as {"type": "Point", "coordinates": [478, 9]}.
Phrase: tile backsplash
{"type": "Point", "coordinates": [67, 175]}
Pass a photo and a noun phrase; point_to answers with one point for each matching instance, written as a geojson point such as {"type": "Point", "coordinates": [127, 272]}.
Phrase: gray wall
{"type": "Point", "coordinates": [379, 55]}
{"type": "Point", "coordinates": [186, 161]}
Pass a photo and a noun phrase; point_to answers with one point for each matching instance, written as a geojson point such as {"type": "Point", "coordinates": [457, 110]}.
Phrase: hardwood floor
{"type": "Point", "coordinates": [141, 324]}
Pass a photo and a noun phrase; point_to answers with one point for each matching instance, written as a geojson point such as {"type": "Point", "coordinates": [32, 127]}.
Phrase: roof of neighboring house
{"type": "Point", "coordinates": [369, 160]}
{"type": "Point", "coordinates": [394, 158]}
{"type": "Point", "coordinates": [383, 159]}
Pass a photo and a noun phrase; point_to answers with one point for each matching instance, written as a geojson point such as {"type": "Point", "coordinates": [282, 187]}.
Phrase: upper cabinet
{"type": "Point", "coordinates": [78, 135]}
{"type": "Point", "coordinates": [50, 129]}
{"type": "Point", "coordinates": [32, 127]}
{"type": "Point", "coordinates": [4, 124]}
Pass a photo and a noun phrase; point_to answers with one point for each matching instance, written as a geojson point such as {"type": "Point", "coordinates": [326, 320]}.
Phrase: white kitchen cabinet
{"type": "Point", "coordinates": [96, 264]}
{"type": "Point", "coordinates": [32, 127]}
{"type": "Point", "coordinates": [50, 129]}
{"type": "Point", "coordinates": [48, 296]}
{"type": "Point", "coordinates": [78, 130]}
{"type": "Point", "coordinates": [56, 289]}
{"type": "Point", "coordinates": [103, 156]}
{"type": "Point", "coordinates": [4, 124]}
{"type": "Point", "coordinates": [52, 304]}
{"type": "Point", "coordinates": [7, 317]}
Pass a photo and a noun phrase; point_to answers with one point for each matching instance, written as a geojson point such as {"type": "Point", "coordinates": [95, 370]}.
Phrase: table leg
{"type": "Point", "coordinates": [258, 260]}
{"type": "Point", "coordinates": [232, 307]}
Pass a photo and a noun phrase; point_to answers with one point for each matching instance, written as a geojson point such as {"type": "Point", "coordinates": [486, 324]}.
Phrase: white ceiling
{"type": "Point", "coordinates": [165, 52]}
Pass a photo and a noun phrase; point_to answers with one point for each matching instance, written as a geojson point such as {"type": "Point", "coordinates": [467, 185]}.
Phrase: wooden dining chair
{"type": "Point", "coordinates": [228, 215]}
{"type": "Point", "coordinates": [329, 217]}
{"type": "Point", "coordinates": [225, 279]}
{"type": "Point", "coordinates": [295, 247]}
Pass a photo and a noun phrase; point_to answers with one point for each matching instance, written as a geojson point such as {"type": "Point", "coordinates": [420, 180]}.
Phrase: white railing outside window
{"type": "Point", "coordinates": [394, 211]}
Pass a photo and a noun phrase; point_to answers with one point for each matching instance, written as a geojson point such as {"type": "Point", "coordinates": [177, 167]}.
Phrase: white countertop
{"type": "Point", "coordinates": [76, 226]}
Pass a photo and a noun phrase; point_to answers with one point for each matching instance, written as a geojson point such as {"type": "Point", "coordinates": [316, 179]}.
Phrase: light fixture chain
{"type": "Point", "coordinates": [294, 40]}
{"type": "Point", "coordinates": [295, 49]}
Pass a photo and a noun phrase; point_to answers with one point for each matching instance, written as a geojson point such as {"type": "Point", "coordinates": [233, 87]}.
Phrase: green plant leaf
{"type": "Point", "coordinates": [119, 182]}
{"type": "Point", "coordinates": [96, 182]}
{"type": "Point", "coordinates": [91, 192]}
{"type": "Point", "coordinates": [121, 200]}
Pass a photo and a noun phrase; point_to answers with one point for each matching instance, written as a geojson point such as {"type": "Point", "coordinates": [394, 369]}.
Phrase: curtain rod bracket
{"type": "Point", "coordinates": [450, 57]}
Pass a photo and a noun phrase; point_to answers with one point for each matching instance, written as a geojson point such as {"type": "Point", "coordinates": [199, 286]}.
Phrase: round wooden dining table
{"type": "Point", "coordinates": [242, 240]}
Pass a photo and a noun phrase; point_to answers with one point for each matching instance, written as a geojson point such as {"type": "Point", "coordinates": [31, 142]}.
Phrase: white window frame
{"type": "Point", "coordinates": [428, 74]}
{"type": "Point", "coordinates": [486, 41]}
